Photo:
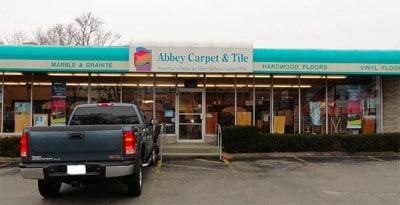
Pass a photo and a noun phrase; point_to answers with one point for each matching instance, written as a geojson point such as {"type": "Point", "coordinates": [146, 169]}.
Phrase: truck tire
{"type": "Point", "coordinates": [135, 181]}
{"type": "Point", "coordinates": [49, 188]}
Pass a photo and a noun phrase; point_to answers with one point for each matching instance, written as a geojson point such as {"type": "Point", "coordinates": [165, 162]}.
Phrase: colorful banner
{"type": "Point", "coordinates": [315, 113]}
{"type": "Point", "coordinates": [354, 107]}
{"type": "Point", "coordinates": [58, 103]}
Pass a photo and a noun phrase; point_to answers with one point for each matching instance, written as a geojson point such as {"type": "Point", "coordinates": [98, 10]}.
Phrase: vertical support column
{"type": "Point", "coordinates": [235, 99]}
{"type": "Point", "coordinates": [379, 97]}
{"type": "Point", "coordinates": [154, 97]}
{"type": "Point", "coordinates": [254, 100]}
{"type": "Point", "coordinates": [121, 87]}
{"type": "Point", "coordinates": [2, 102]}
{"type": "Point", "coordinates": [31, 100]}
{"type": "Point", "coordinates": [326, 105]}
{"type": "Point", "coordinates": [89, 89]}
{"type": "Point", "coordinates": [271, 105]}
{"type": "Point", "coordinates": [299, 106]}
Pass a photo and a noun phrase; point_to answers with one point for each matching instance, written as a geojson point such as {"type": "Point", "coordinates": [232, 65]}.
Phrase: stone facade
{"type": "Point", "coordinates": [391, 104]}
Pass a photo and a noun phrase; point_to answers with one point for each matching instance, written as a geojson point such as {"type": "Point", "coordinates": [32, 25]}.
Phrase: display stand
{"type": "Point", "coordinates": [336, 125]}
{"type": "Point", "coordinates": [243, 118]}
{"type": "Point", "coordinates": [279, 124]}
{"type": "Point", "coordinates": [368, 124]}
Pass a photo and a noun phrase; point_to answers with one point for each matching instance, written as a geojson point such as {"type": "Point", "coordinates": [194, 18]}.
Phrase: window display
{"type": "Point", "coordinates": [334, 105]}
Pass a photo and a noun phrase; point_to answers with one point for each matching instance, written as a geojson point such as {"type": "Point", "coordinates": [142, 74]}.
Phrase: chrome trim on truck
{"type": "Point", "coordinates": [32, 173]}
{"type": "Point", "coordinates": [119, 171]}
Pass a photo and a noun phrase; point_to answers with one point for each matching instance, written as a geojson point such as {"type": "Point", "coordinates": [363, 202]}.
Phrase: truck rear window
{"type": "Point", "coordinates": [104, 116]}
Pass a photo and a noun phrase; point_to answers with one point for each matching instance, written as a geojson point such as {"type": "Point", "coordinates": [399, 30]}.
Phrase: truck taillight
{"type": "Point", "coordinates": [24, 145]}
{"type": "Point", "coordinates": [129, 143]}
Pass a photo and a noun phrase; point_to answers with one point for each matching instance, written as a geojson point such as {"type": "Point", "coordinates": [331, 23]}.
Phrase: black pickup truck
{"type": "Point", "coordinates": [101, 141]}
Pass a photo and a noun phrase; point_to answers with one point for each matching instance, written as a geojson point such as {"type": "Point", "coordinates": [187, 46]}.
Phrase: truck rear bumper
{"type": "Point", "coordinates": [119, 171]}
{"type": "Point", "coordinates": [32, 173]}
{"type": "Point", "coordinates": [59, 172]}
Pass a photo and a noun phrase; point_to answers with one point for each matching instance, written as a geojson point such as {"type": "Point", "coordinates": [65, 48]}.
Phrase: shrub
{"type": "Point", "coordinates": [233, 137]}
{"type": "Point", "coordinates": [250, 139]}
{"type": "Point", "coordinates": [9, 146]}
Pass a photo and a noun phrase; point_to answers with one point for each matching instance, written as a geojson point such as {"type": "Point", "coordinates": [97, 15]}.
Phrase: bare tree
{"type": "Point", "coordinates": [57, 35]}
{"type": "Point", "coordinates": [17, 38]}
{"type": "Point", "coordinates": [106, 39]}
{"type": "Point", "coordinates": [91, 31]}
{"type": "Point", "coordinates": [85, 30]}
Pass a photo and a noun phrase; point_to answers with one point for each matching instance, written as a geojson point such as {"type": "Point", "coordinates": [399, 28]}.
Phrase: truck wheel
{"type": "Point", "coordinates": [49, 188]}
{"type": "Point", "coordinates": [135, 182]}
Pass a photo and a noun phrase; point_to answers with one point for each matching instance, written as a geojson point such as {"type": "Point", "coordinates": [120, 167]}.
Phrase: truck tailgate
{"type": "Point", "coordinates": [76, 143]}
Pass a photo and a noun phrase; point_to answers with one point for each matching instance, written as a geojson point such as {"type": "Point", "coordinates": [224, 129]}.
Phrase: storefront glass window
{"type": "Point", "coordinates": [262, 102]}
{"type": "Point", "coordinates": [165, 101]}
{"type": "Point", "coordinates": [244, 103]}
{"type": "Point", "coordinates": [326, 104]}
{"type": "Point", "coordinates": [105, 88]}
{"type": "Point", "coordinates": [312, 114]}
{"type": "Point", "coordinates": [220, 98]}
{"type": "Point", "coordinates": [56, 95]}
{"type": "Point", "coordinates": [16, 104]}
{"type": "Point", "coordinates": [42, 104]}
{"type": "Point", "coordinates": [354, 105]}
{"type": "Point", "coordinates": [285, 100]}
{"type": "Point", "coordinates": [138, 89]}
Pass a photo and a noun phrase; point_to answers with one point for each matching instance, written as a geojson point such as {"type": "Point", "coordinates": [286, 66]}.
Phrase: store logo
{"type": "Point", "coordinates": [142, 59]}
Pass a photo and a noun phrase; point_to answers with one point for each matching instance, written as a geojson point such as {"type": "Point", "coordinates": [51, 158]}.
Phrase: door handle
{"type": "Point", "coordinates": [75, 135]}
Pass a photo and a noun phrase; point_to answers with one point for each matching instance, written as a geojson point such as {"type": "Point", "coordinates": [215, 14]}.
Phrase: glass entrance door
{"type": "Point", "coordinates": [190, 115]}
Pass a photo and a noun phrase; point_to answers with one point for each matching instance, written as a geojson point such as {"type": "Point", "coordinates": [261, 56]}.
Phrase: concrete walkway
{"type": "Point", "coordinates": [189, 150]}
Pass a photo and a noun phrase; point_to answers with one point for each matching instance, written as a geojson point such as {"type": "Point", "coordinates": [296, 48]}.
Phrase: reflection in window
{"type": "Point", "coordinates": [165, 104]}
{"type": "Point", "coordinates": [138, 89]}
{"type": "Point", "coordinates": [220, 100]}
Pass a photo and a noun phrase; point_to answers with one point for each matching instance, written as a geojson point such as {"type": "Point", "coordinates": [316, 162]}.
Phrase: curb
{"type": "Point", "coordinates": [7, 161]}
{"type": "Point", "coordinates": [239, 156]}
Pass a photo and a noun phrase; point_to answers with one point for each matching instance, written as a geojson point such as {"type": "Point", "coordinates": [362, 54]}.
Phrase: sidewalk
{"type": "Point", "coordinates": [9, 161]}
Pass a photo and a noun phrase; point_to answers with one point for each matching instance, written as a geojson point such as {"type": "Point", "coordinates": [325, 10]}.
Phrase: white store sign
{"type": "Point", "coordinates": [147, 57]}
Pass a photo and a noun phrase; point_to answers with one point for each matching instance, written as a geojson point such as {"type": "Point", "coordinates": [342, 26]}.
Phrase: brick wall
{"type": "Point", "coordinates": [391, 104]}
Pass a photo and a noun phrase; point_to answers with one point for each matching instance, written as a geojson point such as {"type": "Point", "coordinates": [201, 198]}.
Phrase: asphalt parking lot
{"type": "Point", "coordinates": [277, 180]}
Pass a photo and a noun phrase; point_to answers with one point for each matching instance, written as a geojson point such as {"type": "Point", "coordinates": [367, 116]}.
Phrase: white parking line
{"type": "Point", "coordinates": [231, 167]}
{"type": "Point", "coordinates": [301, 160]}
{"type": "Point", "coordinates": [377, 159]}
{"type": "Point", "coordinates": [211, 161]}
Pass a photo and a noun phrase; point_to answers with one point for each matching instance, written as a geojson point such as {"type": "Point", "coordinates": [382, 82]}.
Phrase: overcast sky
{"type": "Point", "coordinates": [320, 24]}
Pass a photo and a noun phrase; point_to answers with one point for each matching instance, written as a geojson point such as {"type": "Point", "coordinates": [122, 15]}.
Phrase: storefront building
{"type": "Point", "coordinates": [193, 86]}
